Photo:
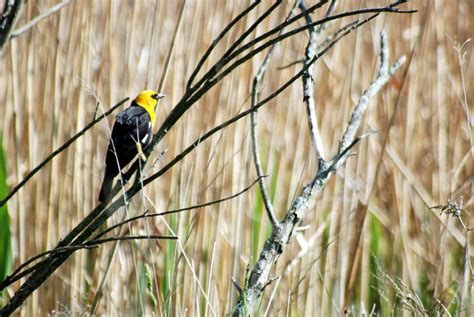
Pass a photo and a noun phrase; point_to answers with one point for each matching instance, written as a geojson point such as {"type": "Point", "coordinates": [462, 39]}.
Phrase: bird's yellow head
{"type": "Point", "coordinates": [148, 99]}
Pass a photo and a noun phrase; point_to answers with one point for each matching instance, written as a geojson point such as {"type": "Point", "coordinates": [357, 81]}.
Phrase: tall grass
{"type": "Point", "coordinates": [5, 233]}
{"type": "Point", "coordinates": [369, 233]}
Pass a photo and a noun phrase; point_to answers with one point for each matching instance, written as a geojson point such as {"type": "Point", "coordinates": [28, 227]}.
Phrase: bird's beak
{"type": "Point", "coordinates": [160, 96]}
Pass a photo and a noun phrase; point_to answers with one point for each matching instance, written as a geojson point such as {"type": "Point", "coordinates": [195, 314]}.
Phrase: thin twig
{"type": "Point", "coordinates": [126, 238]}
{"type": "Point", "coordinates": [383, 76]}
{"type": "Point", "coordinates": [269, 43]}
{"type": "Point", "coordinates": [215, 77]}
{"type": "Point", "coordinates": [308, 84]}
{"type": "Point", "coordinates": [229, 56]}
{"type": "Point", "coordinates": [230, 52]}
{"type": "Point", "coordinates": [146, 214]}
{"type": "Point", "coordinates": [39, 18]}
{"type": "Point", "coordinates": [217, 40]}
{"type": "Point", "coordinates": [94, 243]}
{"type": "Point", "coordinates": [329, 11]}
{"type": "Point", "coordinates": [253, 128]}
{"type": "Point", "coordinates": [19, 272]}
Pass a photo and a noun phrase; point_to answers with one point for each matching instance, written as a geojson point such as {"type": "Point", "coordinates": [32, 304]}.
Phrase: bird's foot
{"type": "Point", "coordinates": [140, 151]}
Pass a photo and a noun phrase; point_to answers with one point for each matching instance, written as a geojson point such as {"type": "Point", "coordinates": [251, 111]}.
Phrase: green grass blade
{"type": "Point", "coordinates": [5, 235]}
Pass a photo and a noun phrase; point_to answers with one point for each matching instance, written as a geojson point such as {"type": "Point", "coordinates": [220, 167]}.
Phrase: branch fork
{"type": "Point", "coordinates": [280, 237]}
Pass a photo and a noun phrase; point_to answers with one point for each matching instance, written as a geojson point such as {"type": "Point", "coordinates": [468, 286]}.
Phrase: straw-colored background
{"type": "Point", "coordinates": [52, 77]}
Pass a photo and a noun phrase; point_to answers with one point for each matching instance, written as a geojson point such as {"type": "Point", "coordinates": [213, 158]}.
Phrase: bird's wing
{"type": "Point", "coordinates": [137, 120]}
{"type": "Point", "coordinates": [131, 125]}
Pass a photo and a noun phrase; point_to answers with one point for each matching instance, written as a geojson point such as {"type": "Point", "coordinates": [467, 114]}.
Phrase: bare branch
{"type": "Point", "coordinates": [228, 55]}
{"type": "Point", "coordinates": [20, 273]}
{"type": "Point", "coordinates": [308, 84]}
{"type": "Point", "coordinates": [253, 127]}
{"type": "Point", "coordinates": [217, 40]}
{"type": "Point", "coordinates": [94, 243]}
{"type": "Point", "coordinates": [383, 76]}
{"type": "Point", "coordinates": [126, 238]}
{"type": "Point", "coordinates": [39, 18]}
{"type": "Point", "coordinates": [215, 79]}
{"type": "Point", "coordinates": [146, 214]}
{"type": "Point", "coordinates": [274, 246]}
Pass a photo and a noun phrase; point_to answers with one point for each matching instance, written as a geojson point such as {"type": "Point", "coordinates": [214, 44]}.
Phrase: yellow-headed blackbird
{"type": "Point", "coordinates": [132, 130]}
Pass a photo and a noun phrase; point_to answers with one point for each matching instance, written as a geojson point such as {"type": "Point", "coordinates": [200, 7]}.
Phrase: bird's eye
{"type": "Point", "coordinates": [154, 96]}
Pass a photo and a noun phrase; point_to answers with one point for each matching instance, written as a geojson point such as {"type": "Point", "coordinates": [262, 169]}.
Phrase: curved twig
{"type": "Point", "coordinates": [217, 40]}
{"type": "Point", "coordinates": [174, 211]}
{"type": "Point", "coordinates": [308, 83]}
{"type": "Point", "coordinates": [257, 81]}
{"type": "Point", "coordinates": [39, 18]}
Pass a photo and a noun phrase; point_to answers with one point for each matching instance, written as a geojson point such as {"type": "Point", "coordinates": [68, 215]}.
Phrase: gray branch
{"type": "Point", "coordinates": [11, 14]}
{"type": "Point", "coordinates": [260, 275]}
{"type": "Point", "coordinates": [383, 76]}
{"type": "Point", "coordinates": [39, 18]}
{"type": "Point", "coordinates": [257, 80]}
{"type": "Point", "coordinates": [308, 82]}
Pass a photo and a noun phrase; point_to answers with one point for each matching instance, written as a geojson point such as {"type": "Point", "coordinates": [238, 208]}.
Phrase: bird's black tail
{"type": "Point", "coordinates": [106, 185]}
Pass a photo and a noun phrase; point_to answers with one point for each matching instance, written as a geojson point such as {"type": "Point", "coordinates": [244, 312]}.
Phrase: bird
{"type": "Point", "coordinates": [132, 132]}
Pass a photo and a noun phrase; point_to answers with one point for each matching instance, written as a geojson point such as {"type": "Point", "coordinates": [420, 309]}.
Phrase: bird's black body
{"type": "Point", "coordinates": [131, 126]}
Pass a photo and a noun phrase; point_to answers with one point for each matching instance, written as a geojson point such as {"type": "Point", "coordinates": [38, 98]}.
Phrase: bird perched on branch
{"type": "Point", "coordinates": [131, 133]}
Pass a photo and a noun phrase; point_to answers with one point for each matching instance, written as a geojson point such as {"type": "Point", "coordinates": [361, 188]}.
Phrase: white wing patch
{"type": "Point", "coordinates": [145, 138]}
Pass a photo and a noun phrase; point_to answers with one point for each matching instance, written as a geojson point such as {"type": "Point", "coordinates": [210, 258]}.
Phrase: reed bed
{"type": "Point", "coordinates": [370, 241]}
